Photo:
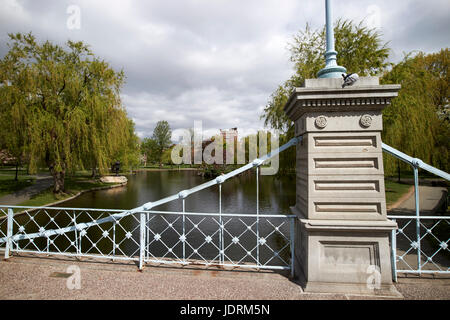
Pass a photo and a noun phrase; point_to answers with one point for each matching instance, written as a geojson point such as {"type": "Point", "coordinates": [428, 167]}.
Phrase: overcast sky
{"type": "Point", "coordinates": [216, 61]}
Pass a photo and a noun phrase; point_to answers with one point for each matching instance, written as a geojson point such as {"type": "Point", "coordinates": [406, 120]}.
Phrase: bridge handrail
{"type": "Point", "coordinates": [147, 207]}
{"type": "Point", "coordinates": [150, 205]}
{"type": "Point", "coordinates": [415, 162]}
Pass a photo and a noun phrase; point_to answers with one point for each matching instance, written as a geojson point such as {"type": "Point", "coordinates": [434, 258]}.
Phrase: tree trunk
{"type": "Point", "coordinates": [58, 180]}
{"type": "Point", "coordinates": [398, 170]}
{"type": "Point", "coordinates": [94, 172]}
{"type": "Point", "coordinates": [17, 171]}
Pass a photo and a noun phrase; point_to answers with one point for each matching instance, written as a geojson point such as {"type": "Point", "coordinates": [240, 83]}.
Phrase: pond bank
{"type": "Point", "coordinates": [71, 197]}
{"type": "Point", "coordinates": [167, 169]}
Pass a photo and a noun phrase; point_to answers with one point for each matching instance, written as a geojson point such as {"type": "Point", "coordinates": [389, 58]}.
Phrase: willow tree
{"type": "Point", "coordinates": [13, 129]}
{"type": "Point", "coordinates": [67, 101]}
{"type": "Point", "coordinates": [415, 122]}
{"type": "Point", "coordinates": [361, 50]}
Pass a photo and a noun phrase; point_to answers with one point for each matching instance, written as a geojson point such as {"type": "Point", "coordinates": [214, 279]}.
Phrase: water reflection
{"type": "Point", "coordinates": [238, 194]}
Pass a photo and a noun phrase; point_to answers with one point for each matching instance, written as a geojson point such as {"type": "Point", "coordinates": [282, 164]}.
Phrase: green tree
{"type": "Point", "coordinates": [361, 50]}
{"type": "Point", "coordinates": [149, 148]}
{"type": "Point", "coordinates": [67, 102]}
{"type": "Point", "coordinates": [166, 157]}
{"type": "Point", "coordinates": [415, 122]}
{"type": "Point", "coordinates": [162, 135]}
{"type": "Point", "coordinates": [128, 149]}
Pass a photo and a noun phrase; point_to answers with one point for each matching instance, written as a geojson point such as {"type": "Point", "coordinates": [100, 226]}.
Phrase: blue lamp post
{"type": "Point", "coordinates": [331, 70]}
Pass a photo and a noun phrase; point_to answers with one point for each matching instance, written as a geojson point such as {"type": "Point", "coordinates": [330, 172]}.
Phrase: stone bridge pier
{"type": "Point", "coordinates": [342, 231]}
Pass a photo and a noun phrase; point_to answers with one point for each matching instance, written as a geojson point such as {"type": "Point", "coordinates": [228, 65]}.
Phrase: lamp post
{"type": "Point", "coordinates": [331, 70]}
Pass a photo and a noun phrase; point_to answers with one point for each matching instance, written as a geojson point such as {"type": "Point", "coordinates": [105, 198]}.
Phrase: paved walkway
{"type": "Point", "coordinates": [429, 199]}
{"type": "Point", "coordinates": [42, 183]}
{"type": "Point", "coordinates": [43, 278]}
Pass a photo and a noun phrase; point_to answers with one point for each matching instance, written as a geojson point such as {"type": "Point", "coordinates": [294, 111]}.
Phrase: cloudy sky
{"type": "Point", "coordinates": [216, 61]}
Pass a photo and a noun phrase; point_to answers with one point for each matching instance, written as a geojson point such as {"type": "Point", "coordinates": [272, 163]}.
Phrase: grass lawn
{"type": "Point", "coordinates": [73, 185]}
{"type": "Point", "coordinates": [8, 185]}
{"type": "Point", "coordinates": [395, 190]}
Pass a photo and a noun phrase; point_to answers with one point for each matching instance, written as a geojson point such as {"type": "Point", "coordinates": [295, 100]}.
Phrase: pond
{"type": "Point", "coordinates": [276, 195]}
{"type": "Point", "coordinates": [240, 234]}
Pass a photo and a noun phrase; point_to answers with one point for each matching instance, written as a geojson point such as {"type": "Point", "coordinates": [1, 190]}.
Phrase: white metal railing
{"type": "Point", "coordinates": [421, 243]}
{"type": "Point", "coordinates": [258, 241]}
{"type": "Point", "coordinates": [81, 232]}
{"type": "Point", "coordinates": [232, 240]}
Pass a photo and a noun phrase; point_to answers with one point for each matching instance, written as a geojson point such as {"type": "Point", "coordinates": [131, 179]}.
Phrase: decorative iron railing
{"type": "Point", "coordinates": [224, 239]}
{"type": "Point", "coordinates": [427, 254]}
{"type": "Point", "coordinates": [145, 235]}
{"type": "Point", "coordinates": [231, 240]}
{"type": "Point", "coordinates": [421, 243]}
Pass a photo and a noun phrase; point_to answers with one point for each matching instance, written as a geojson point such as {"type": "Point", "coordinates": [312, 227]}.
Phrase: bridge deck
{"type": "Point", "coordinates": [34, 278]}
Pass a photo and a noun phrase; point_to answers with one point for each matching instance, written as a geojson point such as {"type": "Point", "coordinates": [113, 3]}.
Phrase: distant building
{"type": "Point", "coordinates": [231, 134]}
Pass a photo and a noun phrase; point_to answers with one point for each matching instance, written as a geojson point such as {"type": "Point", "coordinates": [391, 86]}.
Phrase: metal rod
{"type": "Point", "coordinates": [147, 246]}
{"type": "Point", "coordinates": [394, 254]}
{"type": "Point", "coordinates": [76, 232]}
{"type": "Point", "coordinates": [416, 194]}
{"type": "Point", "coordinates": [141, 240]}
{"type": "Point", "coordinates": [79, 243]}
{"type": "Point", "coordinates": [9, 232]}
{"type": "Point", "coordinates": [221, 244]}
{"type": "Point", "coordinates": [114, 239]}
{"type": "Point", "coordinates": [257, 216]}
{"type": "Point", "coordinates": [414, 162]}
{"type": "Point", "coordinates": [184, 231]}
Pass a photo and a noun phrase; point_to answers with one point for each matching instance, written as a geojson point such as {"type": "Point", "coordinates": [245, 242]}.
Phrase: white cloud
{"type": "Point", "coordinates": [216, 61]}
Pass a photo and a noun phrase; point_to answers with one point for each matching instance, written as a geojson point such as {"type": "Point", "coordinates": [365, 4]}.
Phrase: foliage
{"type": "Point", "coordinates": [361, 50]}
{"type": "Point", "coordinates": [162, 135]}
{"type": "Point", "coordinates": [62, 107]}
{"type": "Point", "coordinates": [166, 157]}
{"type": "Point", "coordinates": [417, 121]}
{"type": "Point", "coordinates": [149, 147]}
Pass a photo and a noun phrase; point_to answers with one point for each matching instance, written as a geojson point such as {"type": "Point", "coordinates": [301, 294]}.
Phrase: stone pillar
{"type": "Point", "coordinates": [343, 232]}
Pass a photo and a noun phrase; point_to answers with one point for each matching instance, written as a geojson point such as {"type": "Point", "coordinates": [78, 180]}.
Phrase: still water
{"type": "Point", "coordinates": [276, 195]}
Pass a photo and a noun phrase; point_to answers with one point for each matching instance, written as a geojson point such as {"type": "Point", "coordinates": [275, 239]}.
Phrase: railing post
{"type": "Point", "coordinates": [394, 254]}
{"type": "Point", "coordinates": [257, 216]}
{"type": "Point", "coordinates": [76, 233]}
{"type": "Point", "coordinates": [417, 199]}
{"type": "Point", "coordinates": [114, 240]}
{"type": "Point", "coordinates": [48, 246]}
{"type": "Point", "coordinates": [142, 241]}
{"type": "Point", "coordinates": [221, 244]}
{"type": "Point", "coordinates": [184, 232]}
{"type": "Point", "coordinates": [9, 232]}
{"type": "Point", "coordinates": [147, 244]}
